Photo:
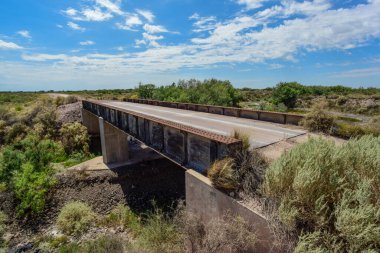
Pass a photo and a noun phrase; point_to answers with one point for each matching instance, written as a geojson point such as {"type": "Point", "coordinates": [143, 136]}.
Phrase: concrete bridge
{"type": "Point", "coordinates": [192, 136]}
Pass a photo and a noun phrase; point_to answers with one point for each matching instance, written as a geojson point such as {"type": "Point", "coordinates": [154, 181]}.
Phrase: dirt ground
{"type": "Point", "coordinates": [135, 185]}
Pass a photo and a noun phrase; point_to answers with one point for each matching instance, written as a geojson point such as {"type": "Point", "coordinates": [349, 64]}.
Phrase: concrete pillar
{"type": "Point", "coordinates": [114, 143]}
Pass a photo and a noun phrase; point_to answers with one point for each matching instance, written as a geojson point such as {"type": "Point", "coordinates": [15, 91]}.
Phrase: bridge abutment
{"type": "Point", "coordinates": [111, 141]}
{"type": "Point", "coordinates": [114, 143]}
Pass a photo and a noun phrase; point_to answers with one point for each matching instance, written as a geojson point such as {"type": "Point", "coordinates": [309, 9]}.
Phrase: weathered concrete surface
{"type": "Point", "coordinates": [208, 203]}
{"type": "Point", "coordinates": [261, 133]}
{"type": "Point", "coordinates": [185, 145]}
{"type": "Point", "coordinates": [90, 121]}
{"type": "Point", "coordinates": [114, 143]}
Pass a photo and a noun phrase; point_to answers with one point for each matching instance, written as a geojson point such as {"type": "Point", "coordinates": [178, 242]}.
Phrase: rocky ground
{"type": "Point", "coordinates": [135, 185]}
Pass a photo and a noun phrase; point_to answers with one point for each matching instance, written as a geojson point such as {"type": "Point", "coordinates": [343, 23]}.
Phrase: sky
{"type": "Point", "coordinates": [104, 44]}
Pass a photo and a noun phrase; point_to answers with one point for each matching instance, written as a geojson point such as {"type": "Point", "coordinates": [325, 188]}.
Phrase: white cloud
{"type": "Point", "coordinates": [87, 43]}
{"type": "Point", "coordinates": [155, 29]}
{"type": "Point", "coordinates": [131, 21]}
{"type": "Point", "coordinates": [8, 45]}
{"type": "Point", "coordinates": [59, 26]}
{"type": "Point", "coordinates": [148, 15]}
{"type": "Point", "coordinates": [120, 48]}
{"type": "Point", "coordinates": [111, 6]}
{"type": "Point", "coordinates": [88, 14]}
{"type": "Point", "coordinates": [24, 34]}
{"type": "Point", "coordinates": [70, 12]}
{"type": "Point", "coordinates": [75, 26]}
{"type": "Point", "coordinates": [202, 24]}
{"type": "Point", "coordinates": [243, 39]}
{"type": "Point", "coordinates": [95, 14]}
{"type": "Point", "coordinates": [251, 4]}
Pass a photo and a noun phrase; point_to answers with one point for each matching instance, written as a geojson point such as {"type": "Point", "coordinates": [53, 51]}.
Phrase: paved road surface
{"type": "Point", "coordinates": [261, 133]}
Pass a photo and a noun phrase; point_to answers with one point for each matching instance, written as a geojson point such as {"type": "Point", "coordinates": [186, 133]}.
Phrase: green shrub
{"type": "Point", "coordinates": [75, 138]}
{"type": "Point", "coordinates": [318, 120]}
{"type": "Point", "coordinates": [287, 93]}
{"type": "Point", "coordinates": [10, 161]}
{"type": "Point", "coordinates": [42, 152]}
{"type": "Point", "coordinates": [47, 119]}
{"type": "Point", "coordinates": [31, 187]}
{"type": "Point", "coordinates": [102, 244]}
{"type": "Point", "coordinates": [122, 216]}
{"type": "Point", "coordinates": [335, 189]}
{"type": "Point", "coordinates": [346, 130]}
{"type": "Point", "coordinates": [75, 218]}
{"type": "Point", "coordinates": [159, 234]}
{"type": "Point", "coordinates": [223, 174]}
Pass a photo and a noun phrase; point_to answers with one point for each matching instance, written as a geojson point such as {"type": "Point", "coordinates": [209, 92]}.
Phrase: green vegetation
{"type": "Point", "coordinates": [319, 120]}
{"type": "Point", "coordinates": [122, 216]}
{"type": "Point", "coordinates": [102, 244]}
{"type": "Point", "coordinates": [75, 218]}
{"type": "Point", "coordinates": [159, 234]}
{"type": "Point", "coordinates": [31, 187]}
{"type": "Point", "coordinates": [75, 138]}
{"type": "Point", "coordinates": [31, 141]}
{"type": "Point", "coordinates": [211, 92]}
{"type": "Point", "coordinates": [329, 194]}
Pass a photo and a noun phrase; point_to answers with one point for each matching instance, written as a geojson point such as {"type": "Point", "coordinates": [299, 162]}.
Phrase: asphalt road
{"type": "Point", "coordinates": [261, 133]}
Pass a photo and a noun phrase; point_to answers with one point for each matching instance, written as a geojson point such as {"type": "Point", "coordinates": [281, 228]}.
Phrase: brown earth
{"type": "Point", "coordinates": [135, 185]}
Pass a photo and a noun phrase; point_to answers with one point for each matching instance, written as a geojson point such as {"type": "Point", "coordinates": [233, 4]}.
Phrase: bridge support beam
{"type": "Point", "coordinates": [114, 143]}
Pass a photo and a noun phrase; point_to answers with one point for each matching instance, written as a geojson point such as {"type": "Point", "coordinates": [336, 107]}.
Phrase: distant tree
{"type": "Point", "coordinates": [287, 93]}
{"type": "Point", "coordinates": [145, 90]}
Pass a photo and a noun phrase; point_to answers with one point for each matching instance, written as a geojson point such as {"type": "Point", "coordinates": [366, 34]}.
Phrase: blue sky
{"type": "Point", "coordinates": [99, 44]}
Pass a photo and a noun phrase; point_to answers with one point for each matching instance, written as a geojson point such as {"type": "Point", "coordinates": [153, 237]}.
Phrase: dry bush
{"type": "Point", "coordinates": [240, 135]}
{"type": "Point", "coordinates": [15, 133]}
{"type": "Point", "coordinates": [102, 244]}
{"type": "Point", "coordinates": [335, 189]}
{"type": "Point", "coordinates": [229, 233]}
{"type": "Point", "coordinates": [71, 99]}
{"type": "Point", "coordinates": [75, 218]}
{"type": "Point", "coordinates": [318, 119]}
{"type": "Point", "coordinates": [75, 138]}
{"type": "Point", "coordinates": [250, 170]}
{"type": "Point", "coordinates": [223, 174]}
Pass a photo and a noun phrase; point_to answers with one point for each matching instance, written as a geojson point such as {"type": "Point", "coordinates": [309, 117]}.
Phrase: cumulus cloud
{"type": "Point", "coordinates": [75, 26]}
{"type": "Point", "coordinates": [87, 43]}
{"type": "Point", "coordinates": [130, 23]}
{"type": "Point", "coordinates": [8, 45]}
{"type": "Point", "coordinates": [25, 34]}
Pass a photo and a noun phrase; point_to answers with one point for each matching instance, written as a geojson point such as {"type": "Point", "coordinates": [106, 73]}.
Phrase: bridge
{"type": "Point", "coordinates": [191, 135]}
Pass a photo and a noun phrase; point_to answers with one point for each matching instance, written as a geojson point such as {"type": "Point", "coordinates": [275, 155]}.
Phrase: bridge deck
{"type": "Point", "coordinates": [261, 133]}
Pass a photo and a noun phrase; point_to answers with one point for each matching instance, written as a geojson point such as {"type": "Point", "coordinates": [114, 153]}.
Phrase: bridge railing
{"type": "Point", "coordinates": [275, 117]}
{"type": "Point", "coordinates": [188, 146]}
